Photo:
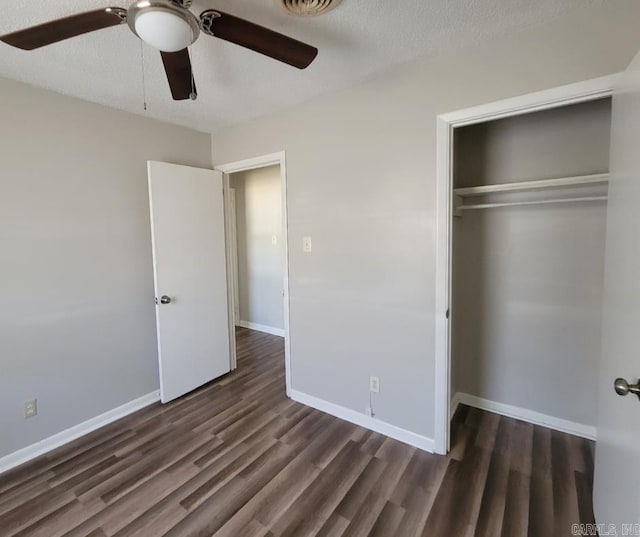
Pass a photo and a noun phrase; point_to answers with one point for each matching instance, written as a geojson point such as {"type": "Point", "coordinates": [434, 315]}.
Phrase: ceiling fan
{"type": "Point", "coordinates": [170, 27]}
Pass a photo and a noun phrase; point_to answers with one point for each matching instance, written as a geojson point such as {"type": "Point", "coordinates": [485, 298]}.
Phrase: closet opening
{"type": "Point", "coordinates": [527, 197]}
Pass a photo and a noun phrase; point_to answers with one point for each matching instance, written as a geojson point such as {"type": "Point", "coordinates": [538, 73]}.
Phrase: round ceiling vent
{"type": "Point", "coordinates": [308, 8]}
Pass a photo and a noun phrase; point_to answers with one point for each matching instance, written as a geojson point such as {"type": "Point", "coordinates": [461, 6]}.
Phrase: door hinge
{"type": "Point", "coordinates": [447, 314]}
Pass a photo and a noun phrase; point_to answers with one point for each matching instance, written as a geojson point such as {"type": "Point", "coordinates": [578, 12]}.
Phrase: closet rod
{"type": "Point", "coordinates": [533, 202]}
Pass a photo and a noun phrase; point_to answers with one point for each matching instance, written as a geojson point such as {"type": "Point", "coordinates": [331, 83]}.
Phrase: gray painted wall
{"type": "Point", "coordinates": [77, 326]}
{"type": "Point", "coordinates": [260, 262]}
{"type": "Point", "coordinates": [572, 140]}
{"type": "Point", "coordinates": [527, 282]}
{"type": "Point", "coordinates": [361, 181]}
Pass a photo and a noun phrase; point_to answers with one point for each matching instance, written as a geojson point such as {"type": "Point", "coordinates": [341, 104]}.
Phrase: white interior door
{"type": "Point", "coordinates": [617, 487]}
{"type": "Point", "coordinates": [187, 231]}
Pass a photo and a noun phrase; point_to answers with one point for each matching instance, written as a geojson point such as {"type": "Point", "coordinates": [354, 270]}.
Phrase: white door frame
{"type": "Point", "coordinates": [542, 100]}
{"type": "Point", "coordinates": [263, 161]}
{"type": "Point", "coordinates": [233, 251]}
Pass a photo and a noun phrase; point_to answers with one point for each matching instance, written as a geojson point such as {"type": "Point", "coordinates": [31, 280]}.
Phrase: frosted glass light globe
{"type": "Point", "coordinates": [164, 30]}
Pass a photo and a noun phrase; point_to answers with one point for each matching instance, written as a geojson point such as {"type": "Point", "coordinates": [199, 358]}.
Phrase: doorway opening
{"type": "Point", "coordinates": [257, 257]}
{"type": "Point", "coordinates": [257, 251]}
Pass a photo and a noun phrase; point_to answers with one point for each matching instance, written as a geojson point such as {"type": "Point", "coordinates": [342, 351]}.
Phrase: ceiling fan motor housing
{"type": "Point", "coordinates": [307, 8]}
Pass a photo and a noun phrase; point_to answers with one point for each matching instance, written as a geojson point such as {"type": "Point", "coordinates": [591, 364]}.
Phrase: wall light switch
{"type": "Point", "coordinates": [274, 239]}
{"type": "Point", "coordinates": [374, 384]}
{"type": "Point", "coordinates": [306, 244]}
{"type": "Point", "coordinates": [31, 408]}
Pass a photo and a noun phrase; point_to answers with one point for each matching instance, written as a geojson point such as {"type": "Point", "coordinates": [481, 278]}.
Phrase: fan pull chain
{"type": "Point", "coordinates": [144, 83]}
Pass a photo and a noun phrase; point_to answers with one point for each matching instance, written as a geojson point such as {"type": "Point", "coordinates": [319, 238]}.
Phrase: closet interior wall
{"type": "Point", "coordinates": [527, 280]}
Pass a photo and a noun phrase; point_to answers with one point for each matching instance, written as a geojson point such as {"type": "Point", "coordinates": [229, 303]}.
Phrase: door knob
{"type": "Point", "coordinates": [164, 299]}
{"type": "Point", "coordinates": [622, 387]}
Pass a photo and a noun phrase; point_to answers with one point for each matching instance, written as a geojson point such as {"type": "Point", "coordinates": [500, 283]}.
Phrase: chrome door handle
{"type": "Point", "coordinates": [622, 387]}
{"type": "Point", "coordinates": [164, 299]}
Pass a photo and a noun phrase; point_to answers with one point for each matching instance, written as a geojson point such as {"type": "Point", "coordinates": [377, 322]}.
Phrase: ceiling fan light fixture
{"type": "Point", "coordinates": [163, 24]}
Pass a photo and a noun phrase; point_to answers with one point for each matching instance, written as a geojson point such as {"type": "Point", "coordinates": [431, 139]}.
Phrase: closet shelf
{"type": "Point", "coordinates": [541, 184]}
{"type": "Point", "coordinates": [523, 186]}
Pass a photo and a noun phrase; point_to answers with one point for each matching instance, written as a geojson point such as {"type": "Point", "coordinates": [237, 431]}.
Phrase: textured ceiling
{"type": "Point", "coordinates": [357, 39]}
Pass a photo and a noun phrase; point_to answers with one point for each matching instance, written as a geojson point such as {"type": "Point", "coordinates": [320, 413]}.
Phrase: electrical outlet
{"type": "Point", "coordinates": [306, 244]}
{"type": "Point", "coordinates": [31, 408]}
{"type": "Point", "coordinates": [374, 384]}
{"type": "Point", "coordinates": [274, 239]}
{"type": "Point", "coordinates": [368, 411]}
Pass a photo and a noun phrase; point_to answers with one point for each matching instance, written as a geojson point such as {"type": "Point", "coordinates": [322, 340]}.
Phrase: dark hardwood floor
{"type": "Point", "coordinates": [237, 458]}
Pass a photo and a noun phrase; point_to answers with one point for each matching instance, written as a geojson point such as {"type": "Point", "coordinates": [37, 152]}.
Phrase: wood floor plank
{"type": "Point", "coordinates": [417, 509]}
{"type": "Point", "coordinates": [168, 517]}
{"type": "Point", "coordinates": [22, 494]}
{"type": "Point", "coordinates": [228, 468]}
{"type": "Point", "coordinates": [541, 512]}
{"type": "Point", "coordinates": [491, 515]}
{"type": "Point", "coordinates": [365, 518]}
{"type": "Point", "coordinates": [236, 458]}
{"type": "Point", "coordinates": [584, 484]}
{"type": "Point", "coordinates": [53, 524]}
{"type": "Point", "coordinates": [274, 499]}
{"type": "Point", "coordinates": [129, 508]}
{"type": "Point", "coordinates": [360, 489]}
{"type": "Point", "coordinates": [516, 511]}
{"type": "Point", "coordinates": [35, 509]}
{"type": "Point", "coordinates": [388, 521]}
{"type": "Point", "coordinates": [565, 500]}
{"type": "Point", "coordinates": [334, 526]}
{"type": "Point", "coordinates": [322, 495]}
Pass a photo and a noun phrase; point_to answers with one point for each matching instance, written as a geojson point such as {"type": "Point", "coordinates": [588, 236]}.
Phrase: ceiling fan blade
{"type": "Point", "coordinates": [61, 29]}
{"type": "Point", "coordinates": [257, 38]}
{"type": "Point", "coordinates": [177, 65]}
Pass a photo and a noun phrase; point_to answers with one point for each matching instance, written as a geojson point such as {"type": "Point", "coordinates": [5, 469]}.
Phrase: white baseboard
{"type": "Point", "coordinates": [365, 421]}
{"type": "Point", "coordinates": [537, 418]}
{"type": "Point", "coordinates": [43, 446]}
{"type": "Point", "coordinates": [455, 402]}
{"type": "Point", "coordinates": [262, 328]}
